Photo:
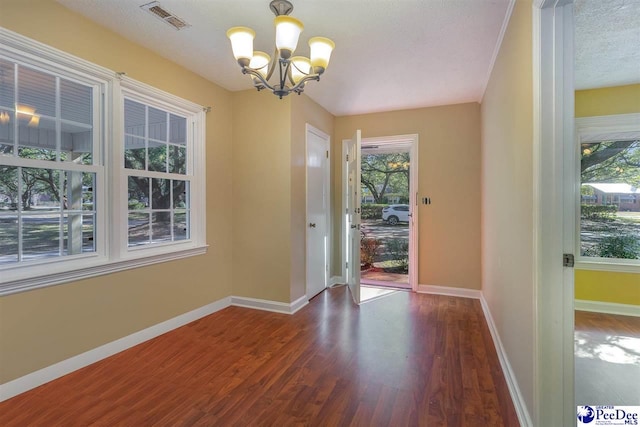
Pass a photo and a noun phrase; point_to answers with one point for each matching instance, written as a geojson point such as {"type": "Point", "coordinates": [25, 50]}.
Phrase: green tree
{"type": "Point", "coordinates": [611, 161]}
{"type": "Point", "coordinates": [385, 173]}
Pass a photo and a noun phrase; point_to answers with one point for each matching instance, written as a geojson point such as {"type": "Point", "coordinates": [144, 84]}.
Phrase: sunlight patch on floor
{"type": "Point", "coordinates": [368, 294]}
{"type": "Point", "coordinates": [609, 348]}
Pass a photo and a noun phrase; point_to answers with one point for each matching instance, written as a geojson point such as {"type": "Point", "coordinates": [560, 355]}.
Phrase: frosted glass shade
{"type": "Point", "coordinates": [288, 31]}
{"type": "Point", "coordinates": [300, 68]}
{"type": "Point", "coordinates": [260, 62]}
{"type": "Point", "coordinates": [242, 43]}
{"type": "Point", "coordinates": [320, 52]}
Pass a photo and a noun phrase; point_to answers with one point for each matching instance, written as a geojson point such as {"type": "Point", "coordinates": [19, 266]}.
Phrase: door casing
{"type": "Point", "coordinates": [413, 140]}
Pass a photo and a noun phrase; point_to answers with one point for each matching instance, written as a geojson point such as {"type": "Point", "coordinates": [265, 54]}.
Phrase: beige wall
{"type": "Point", "coordinates": [449, 173]}
{"type": "Point", "coordinates": [303, 110]}
{"type": "Point", "coordinates": [261, 196]}
{"type": "Point", "coordinates": [507, 201]}
{"type": "Point", "coordinates": [42, 327]}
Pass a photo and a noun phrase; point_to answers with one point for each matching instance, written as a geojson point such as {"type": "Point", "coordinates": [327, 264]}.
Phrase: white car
{"type": "Point", "coordinates": [394, 214]}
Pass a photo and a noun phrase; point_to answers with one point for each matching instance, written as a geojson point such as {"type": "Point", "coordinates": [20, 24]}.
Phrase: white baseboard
{"type": "Point", "coordinates": [336, 280]}
{"type": "Point", "coordinates": [275, 306]}
{"type": "Point", "coordinates": [512, 383]}
{"type": "Point", "coordinates": [449, 291]}
{"type": "Point", "coordinates": [607, 307]}
{"type": "Point", "coordinates": [57, 370]}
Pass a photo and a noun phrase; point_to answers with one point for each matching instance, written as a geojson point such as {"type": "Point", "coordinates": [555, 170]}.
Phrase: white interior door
{"type": "Point", "coordinates": [317, 211]}
{"type": "Point", "coordinates": [353, 148]}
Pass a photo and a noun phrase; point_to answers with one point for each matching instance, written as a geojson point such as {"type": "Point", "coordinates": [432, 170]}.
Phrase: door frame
{"type": "Point", "coordinates": [327, 181]}
{"type": "Point", "coordinates": [554, 192]}
{"type": "Point", "coordinates": [413, 140]}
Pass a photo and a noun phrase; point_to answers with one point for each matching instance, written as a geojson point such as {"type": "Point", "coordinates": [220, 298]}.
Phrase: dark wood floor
{"type": "Point", "coordinates": [401, 360]}
{"type": "Point", "coordinates": [607, 359]}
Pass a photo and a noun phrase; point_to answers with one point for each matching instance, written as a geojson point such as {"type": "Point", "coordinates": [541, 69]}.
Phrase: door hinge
{"type": "Point", "coordinates": [346, 265]}
{"type": "Point", "coordinates": [347, 157]}
{"type": "Point", "coordinates": [327, 154]}
{"type": "Point", "coordinates": [567, 260]}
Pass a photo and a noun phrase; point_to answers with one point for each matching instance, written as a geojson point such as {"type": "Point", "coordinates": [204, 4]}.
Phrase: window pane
{"type": "Point", "coordinates": [40, 236]}
{"type": "Point", "coordinates": [88, 233]}
{"type": "Point", "coordinates": [138, 229]}
{"type": "Point", "coordinates": [138, 193]}
{"type": "Point", "coordinates": [7, 86]}
{"type": "Point", "coordinates": [8, 239]}
{"type": "Point", "coordinates": [180, 227]}
{"type": "Point", "coordinates": [157, 124]}
{"type": "Point", "coordinates": [6, 132]}
{"type": "Point", "coordinates": [157, 156]}
{"type": "Point", "coordinates": [36, 137]}
{"type": "Point", "coordinates": [610, 199]}
{"type": "Point", "coordinates": [75, 194]}
{"type": "Point", "coordinates": [161, 226]}
{"type": "Point", "coordinates": [160, 194]}
{"type": "Point", "coordinates": [88, 199]}
{"type": "Point", "coordinates": [134, 118]}
{"type": "Point", "coordinates": [77, 142]}
{"type": "Point", "coordinates": [40, 189]}
{"type": "Point", "coordinates": [180, 193]}
{"type": "Point", "coordinates": [76, 102]}
{"type": "Point", "coordinates": [36, 93]}
{"type": "Point", "coordinates": [8, 188]}
{"type": "Point", "coordinates": [134, 153]}
{"type": "Point", "coordinates": [177, 159]}
{"type": "Point", "coordinates": [177, 130]}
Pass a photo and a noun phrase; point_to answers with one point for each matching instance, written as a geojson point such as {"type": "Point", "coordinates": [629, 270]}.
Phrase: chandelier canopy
{"type": "Point", "coordinates": [293, 71]}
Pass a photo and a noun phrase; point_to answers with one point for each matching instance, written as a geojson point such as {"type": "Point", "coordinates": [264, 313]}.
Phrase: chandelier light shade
{"type": "Point", "coordinates": [242, 43]}
{"type": "Point", "coordinates": [292, 71]}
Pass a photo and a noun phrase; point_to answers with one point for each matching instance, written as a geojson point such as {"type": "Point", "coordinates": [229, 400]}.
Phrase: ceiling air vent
{"type": "Point", "coordinates": [169, 18]}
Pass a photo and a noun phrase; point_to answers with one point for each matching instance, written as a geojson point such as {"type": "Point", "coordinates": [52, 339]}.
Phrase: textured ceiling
{"type": "Point", "coordinates": [390, 54]}
{"type": "Point", "coordinates": [607, 43]}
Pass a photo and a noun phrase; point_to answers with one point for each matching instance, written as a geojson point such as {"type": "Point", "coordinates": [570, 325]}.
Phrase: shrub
{"type": "Point", "coordinates": [598, 212]}
{"type": "Point", "coordinates": [399, 250]}
{"type": "Point", "coordinates": [135, 204]}
{"type": "Point", "coordinates": [369, 248]}
{"type": "Point", "coordinates": [371, 211]}
{"type": "Point", "coordinates": [625, 247]}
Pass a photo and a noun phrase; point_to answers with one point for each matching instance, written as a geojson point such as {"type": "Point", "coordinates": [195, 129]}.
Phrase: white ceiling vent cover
{"type": "Point", "coordinates": [169, 18]}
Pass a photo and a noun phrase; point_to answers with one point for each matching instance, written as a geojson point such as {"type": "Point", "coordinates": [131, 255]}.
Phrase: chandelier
{"type": "Point", "coordinates": [292, 71]}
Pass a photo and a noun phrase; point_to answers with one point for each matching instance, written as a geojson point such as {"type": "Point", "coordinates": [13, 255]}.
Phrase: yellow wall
{"type": "Point", "coordinates": [608, 286]}
{"type": "Point", "coordinates": [41, 327]}
{"type": "Point", "coordinates": [507, 198]}
{"type": "Point", "coordinates": [607, 101]}
{"type": "Point", "coordinates": [449, 173]}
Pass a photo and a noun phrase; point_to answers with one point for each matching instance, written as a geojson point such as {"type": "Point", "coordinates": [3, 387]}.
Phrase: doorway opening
{"type": "Point", "coordinates": [387, 212]}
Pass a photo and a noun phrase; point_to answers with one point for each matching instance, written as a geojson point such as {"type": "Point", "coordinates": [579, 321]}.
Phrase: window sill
{"type": "Point", "coordinates": [613, 266]}
{"type": "Point", "coordinates": [98, 269]}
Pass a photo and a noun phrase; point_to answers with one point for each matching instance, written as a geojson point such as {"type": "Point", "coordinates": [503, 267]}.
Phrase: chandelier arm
{"type": "Point", "coordinates": [283, 74]}
{"type": "Point", "coordinates": [254, 73]}
{"type": "Point", "coordinates": [301, 83]}
{"type": "Point", "coordinates": [272, 64]}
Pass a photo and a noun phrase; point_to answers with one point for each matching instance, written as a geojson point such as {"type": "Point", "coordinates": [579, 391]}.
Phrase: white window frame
{"type": "Point", "coordinates": [196, 156]}
{"type": "Point", "coordinates": [594, 129]}
{"type": "Point", "coordinates": [112, 253]}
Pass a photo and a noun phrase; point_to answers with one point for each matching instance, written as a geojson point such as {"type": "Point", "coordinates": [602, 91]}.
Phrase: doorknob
{"type": "Point", "coordinates": [312, 225]}
{"type": "Point", "coordinates": [354, 226]}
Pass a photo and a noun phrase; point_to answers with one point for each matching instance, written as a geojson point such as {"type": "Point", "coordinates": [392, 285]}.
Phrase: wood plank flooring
{"type": "Point", "coordinates": [607, 359]}
{"type": "Point", "coordinates": [400, 360]}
